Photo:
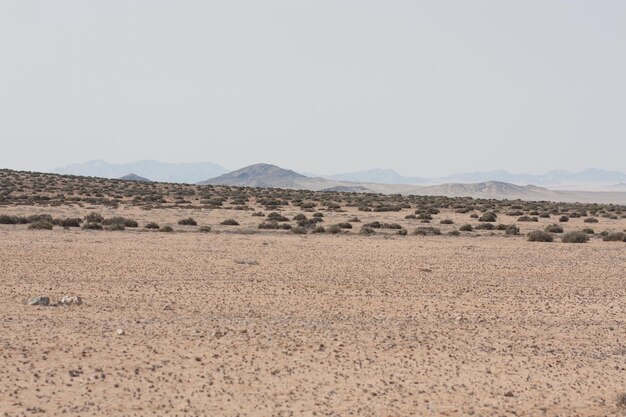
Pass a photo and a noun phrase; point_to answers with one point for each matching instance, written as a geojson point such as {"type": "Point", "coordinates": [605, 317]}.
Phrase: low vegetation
{"type": "Point", "coordinates": [539, 236]}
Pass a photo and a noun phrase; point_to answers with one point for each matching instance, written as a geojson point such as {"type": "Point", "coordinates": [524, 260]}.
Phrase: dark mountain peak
{"type": "Point", "coordinates": [257, 175]}
{"type": "Point", "coordinates": [134, 177]}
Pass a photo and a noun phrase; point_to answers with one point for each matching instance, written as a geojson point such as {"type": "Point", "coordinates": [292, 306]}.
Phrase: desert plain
{"type": "Point", "coordinates": [247, 322]}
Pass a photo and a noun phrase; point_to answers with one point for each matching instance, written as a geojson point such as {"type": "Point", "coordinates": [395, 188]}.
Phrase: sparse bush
{"type": "Point", "coordinates": [116, 227]}
{"type": "Point", "coordinates": [345, 225]}
{"type": "Point", "coordinates": [188, 222]}
{"type": "Point", "coordinates": [277, 217]}
{"type": "Point", "coordinates": [299, 230]}
{"type": "Point", "coordinates": [41, 225]}
{"type": "Point", "coordinates": [4, 219]}
{"type": "Point", "coordinates": [488, 217]}
{"type": "Point", "coordinates": [527, 219]}
{"type": "Point", "coordinates": [92, 226]}
{"type": "Point", "coordinates": [393, 226]}
{"type": "Point", "coordinates": [563, 219]}
{"type": "Point", "coordinates": [588, 230]}
{"type": "Point", "coordinates": [258, 214]}
{"type": "Point", "coordinates": [511, 230]}
{"type": "Point", "coordinates": [591, 220]}
{"type": "Point", "coordinates": [309, 223]}
{"type": "Point", "coordinates": [373, 225]}
{"type": "Point", "coordinates": [466, 228]}
{"type": "Point", "coordinates": [271, 225]}
{"type": "Point", "coordinates": [426, 231]}
{"type": "Point", "coordinates": [446, 221]}
{"type": "Point", "coordinates": [354, 220]}
{"type": "Point", "coordinates": [120, 220]}
{"type": "Point", "coordinates": [575, 237]}
{"type": "Point", "coordinates": [318, 215]}
{"type": "Point", "coordinates": [366, 231]}
{"type": "Point", "coordinates": [319, 229]}
{"type": "Point", "coordinates": [334, 229]}
{"type": "Point", "coordinates": [484, 226]}
{"type": "Point", "coordinates": [230, 222]}
{"type": "Point", "coordinates": [68, 222]}
{"type": "Point", "coordinates": [151, 225]}
{"type": "Point", "coordinates": [614, 237]}
{"type": "Point", "coordinates": [539, 236]}
{"type": "Point", "coordinates": [403, 232]}
{"type": "Point", "coordinates": [554, 228]}
{"type": "Point", "coordinates": [300, 217]}
{"type": "Point", "coordinates": [205, 229]}
{"type": "Point", "coordinates": [94, 218]}
{"type": "Point", "coordinates": [166, 229]}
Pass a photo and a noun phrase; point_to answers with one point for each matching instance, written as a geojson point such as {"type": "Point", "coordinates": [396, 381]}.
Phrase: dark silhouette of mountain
{"type": "Point", "coordinates": [271, 176]}
{"type": "Point", "coordinates": [134, 177]}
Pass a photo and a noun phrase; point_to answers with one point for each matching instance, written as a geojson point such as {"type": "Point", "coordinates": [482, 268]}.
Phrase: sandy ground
{"type": "Point", "coordinates": [279, 324]}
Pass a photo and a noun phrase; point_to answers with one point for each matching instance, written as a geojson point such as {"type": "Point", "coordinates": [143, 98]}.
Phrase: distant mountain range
{"type": "Point", "coordinates": [201, 171]}
{"type": "Point", "coordinates": [271, 176]}
{"type": "Point", "coordinates": [151, 170]}
{"type": "Point", "coordinates": [601, 185]}
{"type": "Point", "coordinates": [554, 179]}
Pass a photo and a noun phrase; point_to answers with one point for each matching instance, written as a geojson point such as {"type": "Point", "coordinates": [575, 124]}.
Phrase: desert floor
{"type": "Point", "coordinates": [282, 324]}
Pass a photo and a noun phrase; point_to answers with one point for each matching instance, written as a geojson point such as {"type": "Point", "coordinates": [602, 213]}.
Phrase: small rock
{"type": "Point", "coordinates": [509, 394]}
{"type": "Point", "coordinates": [69, 300]}
{"type": "Point", "coordinates": [218, 334]}
{"type": "Point", "coordinates": [39, 301]}
{"type": "Point", "coordinates": [246, 262]}
{"type": "Point", "coordinates": [121, 332]}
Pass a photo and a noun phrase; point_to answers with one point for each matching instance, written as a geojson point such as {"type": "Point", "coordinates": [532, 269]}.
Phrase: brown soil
{"type": "Point", "coordinates": [280, 324]}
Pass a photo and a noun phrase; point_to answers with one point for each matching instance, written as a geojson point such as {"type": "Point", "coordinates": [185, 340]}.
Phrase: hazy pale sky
{"type": "Point", "coordinates": [425, 87]}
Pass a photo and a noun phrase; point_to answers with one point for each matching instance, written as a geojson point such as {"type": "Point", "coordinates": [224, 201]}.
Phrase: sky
{"type": "Point", "coordinates": [425, 87]}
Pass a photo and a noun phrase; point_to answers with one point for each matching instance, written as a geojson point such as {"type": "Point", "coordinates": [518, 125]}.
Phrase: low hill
{"type": "Point", "coordinates": [134, 177]}
{"type": "Point", "coordinates": [348, 189]}
{"type": "Point", "coordinates": [489, 189]}
{"type": "Point", "coordinates": [271, 176]}
{"type": "Point", "coordinates": [376, 176]}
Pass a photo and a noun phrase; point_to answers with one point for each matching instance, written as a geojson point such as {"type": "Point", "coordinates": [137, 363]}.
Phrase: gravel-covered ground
{"type": "Point", "coordinates": [282, 324]}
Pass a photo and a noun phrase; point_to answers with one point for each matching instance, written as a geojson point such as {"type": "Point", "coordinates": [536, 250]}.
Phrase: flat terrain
{"type": "Point", "coordinates": [274, 323]}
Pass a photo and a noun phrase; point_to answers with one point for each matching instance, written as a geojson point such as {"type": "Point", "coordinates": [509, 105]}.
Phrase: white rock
{"type": "Point", "coordinates": [68, 300]}
{"type": "Point", "coordinates": [121, 332]}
